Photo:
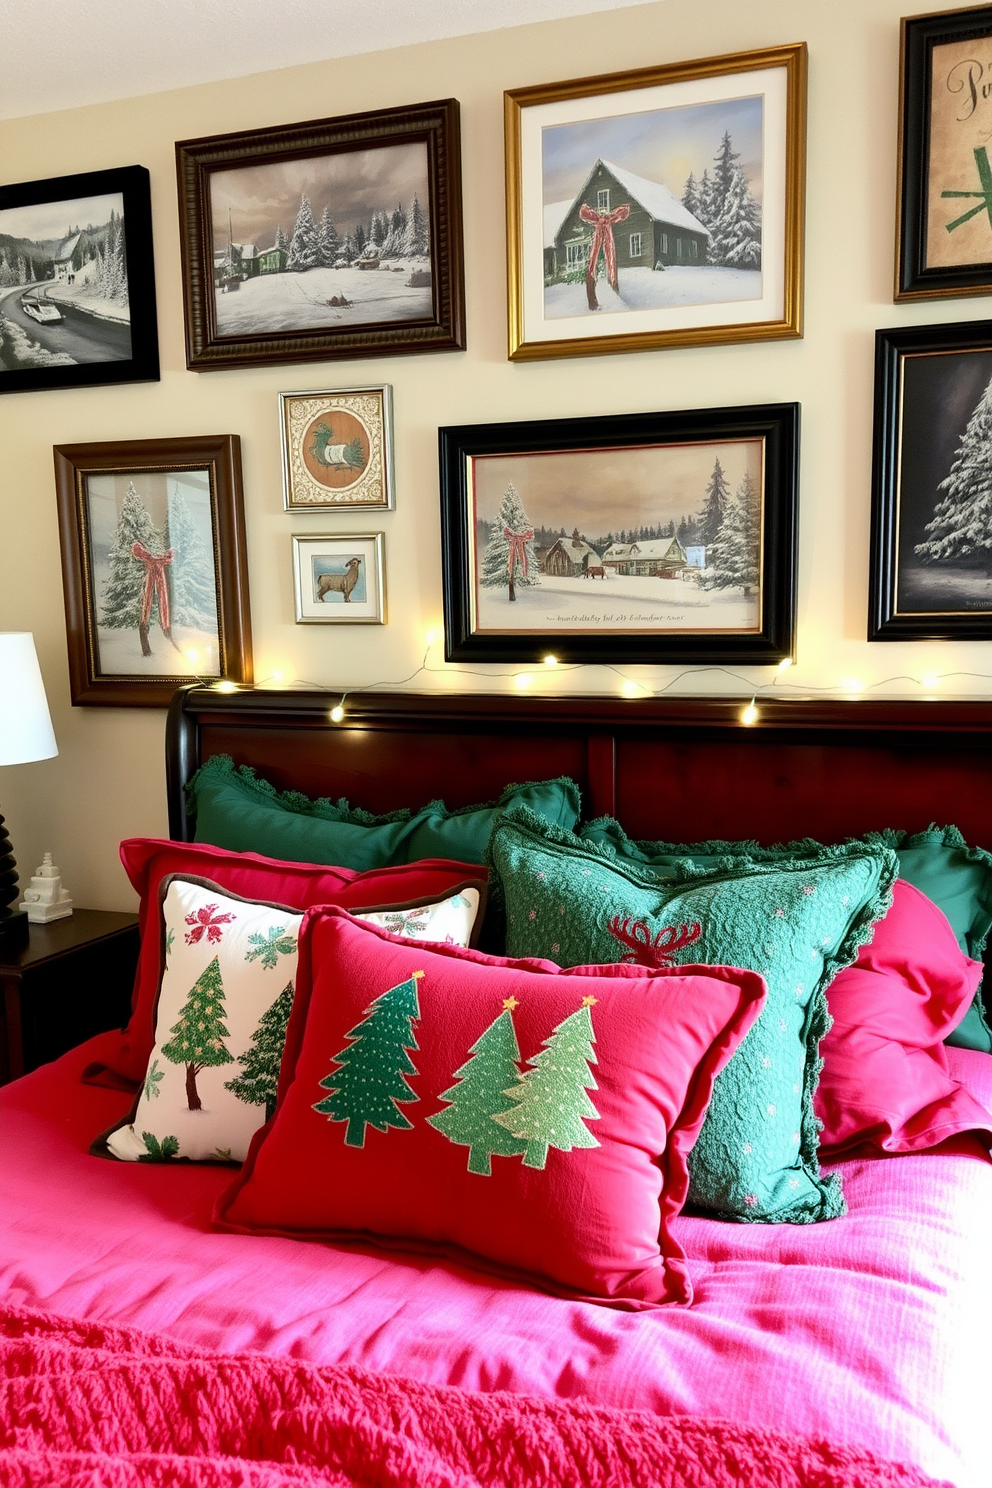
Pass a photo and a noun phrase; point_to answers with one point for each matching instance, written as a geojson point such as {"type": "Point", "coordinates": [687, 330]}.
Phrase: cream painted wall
{"type": "Point", "coordinates": [108, 780]}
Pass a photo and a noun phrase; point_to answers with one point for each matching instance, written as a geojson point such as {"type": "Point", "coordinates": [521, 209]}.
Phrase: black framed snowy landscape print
{"type": "Point", "coordinates": [77, 282]}
{"type": "Point", "coordinates": [335, 238]}
{"type": "Point", "coordinates": [662, 207]}
{"type": "Point", "coordinates": [154, 567]}
{"type": "Point", "coordinates": [931, 549]}
{"type": "Point", "coordinates": [654, 537]}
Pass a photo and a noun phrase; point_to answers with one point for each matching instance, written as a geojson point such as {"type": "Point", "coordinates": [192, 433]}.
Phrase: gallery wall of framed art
{"type": "Point", "coordinates": [856, 144]}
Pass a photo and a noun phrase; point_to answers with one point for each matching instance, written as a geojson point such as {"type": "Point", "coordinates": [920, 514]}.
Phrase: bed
{"type": "Point", "coordinates": [868, 1333]}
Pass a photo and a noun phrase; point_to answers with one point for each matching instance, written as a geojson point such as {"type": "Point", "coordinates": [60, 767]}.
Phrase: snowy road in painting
{"type": "Point", "coordinates": [294, 302]}
{"type": "Point", "coordinates": [558, 604]}
{"type": "Point", "coordinates": [650, 289]}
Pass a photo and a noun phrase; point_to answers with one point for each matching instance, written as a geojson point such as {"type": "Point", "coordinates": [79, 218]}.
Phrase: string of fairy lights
{"type": "Point", "coordinates": [524, 679]}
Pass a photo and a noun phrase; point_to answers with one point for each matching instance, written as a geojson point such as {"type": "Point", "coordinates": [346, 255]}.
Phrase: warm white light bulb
{"type": "Point", "coordinates": [853, 686]}
{"type": "Point", "coordinates": [930, 681]}
{"type": "Point", "coordinates": [430, 638]}
{"type": "Point", "coordinates": [225, 686]}
{"type": "Point", "coordinates": [550, 661]}
{"type": "Point", "coordinates": [631, 689]}
{"type": "Point", "coordinates": [523, 680]}
{"type": "Point", "coordinates": [749, 714]}
{"type": "Point", "coordinates": [192, 655]}
{"type": "Point", "coordinates": [337, 713]}
{"type": "Point", "coordinates": [785, 664]}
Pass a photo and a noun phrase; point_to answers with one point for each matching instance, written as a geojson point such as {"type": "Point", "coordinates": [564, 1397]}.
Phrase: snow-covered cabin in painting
{"type": "Point", "coordinates": [72, 254]}
{"type": "Point", "coordinates": [658, 231]}
{"type": "Point", "coordinates": [570, 556]}
{"type": "Point", "coordinates": [660, 558]}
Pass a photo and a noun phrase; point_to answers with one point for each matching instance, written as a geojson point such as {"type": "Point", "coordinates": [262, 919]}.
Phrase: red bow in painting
{"type": "Point", "coordinates": [602, 238]}
{"type": "Point", "coordinates": [518, 550]}
{"type": "Point", "coordinates": [155, 566]}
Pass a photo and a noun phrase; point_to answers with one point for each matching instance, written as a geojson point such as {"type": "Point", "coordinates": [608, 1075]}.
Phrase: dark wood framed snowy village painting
{"type": "Point", "coordinates": [931, 543]}
{"type": "Point", "coordinates": [334, 238]}
{"type": "Point", "coordinates": [154, 567]}
{"type": "Point", "coordinates": [77, 282]}
{"type": "Point", "coordinates": [662, 207]}
{"type": "Point", "coordinates": [653, 537]}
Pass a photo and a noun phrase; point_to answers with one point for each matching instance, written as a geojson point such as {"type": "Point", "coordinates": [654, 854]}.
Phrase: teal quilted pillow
{"type": "Point", "coordinates": [797, 923]}
{"type": "Point", "coordinates": [938, 862]}
{"type": "Point", "coordinates": [237, 810]}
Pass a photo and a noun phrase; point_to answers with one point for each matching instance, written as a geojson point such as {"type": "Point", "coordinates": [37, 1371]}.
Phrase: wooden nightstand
{"type": "Point", "coordinates": [67, 981]}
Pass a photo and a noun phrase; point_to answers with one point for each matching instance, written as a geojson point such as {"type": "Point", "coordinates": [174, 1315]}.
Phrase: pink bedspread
{"type": "Point", "coordinates": [871, 1330]}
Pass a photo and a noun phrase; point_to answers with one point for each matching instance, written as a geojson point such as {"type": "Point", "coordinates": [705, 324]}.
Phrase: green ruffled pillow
{"type": "Point", "coordinates": [938, 862]}
{"type": "Point", "coordinates": [236, 809]}
{"type": "Point", "coordinates": [798, 923]}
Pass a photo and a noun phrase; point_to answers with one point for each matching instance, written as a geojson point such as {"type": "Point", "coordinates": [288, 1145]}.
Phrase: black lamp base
{"type": "Point", "coordinates": [13, 929]}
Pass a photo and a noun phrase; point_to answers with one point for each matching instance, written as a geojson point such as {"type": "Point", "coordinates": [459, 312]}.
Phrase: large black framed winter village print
{"type": "Point", "coordinates": [154, 567]}
{"type": "Point", "coordinates": [653, 537]}
{"type": "Point", "coordinates": [931, 544]}
{"type": "Point", "coordinates": [662, 207]}
{"type": "Point", "coordinates": [334, 238]}
{"type": "Point", "coordinates": [77, 282]}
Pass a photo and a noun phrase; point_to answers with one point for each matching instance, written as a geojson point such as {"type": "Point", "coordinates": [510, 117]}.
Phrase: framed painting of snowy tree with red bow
{"type": "Point", "coordinates": [334, 238]}
{"type": "Point", "coordinates": [154, 567]}
{"type": "Point", "coordinates": [655, 208]}
{"type": "Point", "coordinates": [931, 546]}
{"type": "Point", "coordinates": [653, 537]}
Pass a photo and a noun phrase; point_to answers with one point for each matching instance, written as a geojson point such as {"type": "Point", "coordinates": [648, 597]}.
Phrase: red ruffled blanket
{"type": "Point", "coordinates": [88, 1406]}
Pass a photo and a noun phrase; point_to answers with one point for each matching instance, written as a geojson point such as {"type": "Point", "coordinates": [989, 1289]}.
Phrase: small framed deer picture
{"type": "Point", "coordinates": [154, 567]}
{"type": "Point", "coordinates": [340, 580]}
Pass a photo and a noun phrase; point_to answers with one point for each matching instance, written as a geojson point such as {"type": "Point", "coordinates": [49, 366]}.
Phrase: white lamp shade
{"type": "Point", "coordinates": [25, 723]}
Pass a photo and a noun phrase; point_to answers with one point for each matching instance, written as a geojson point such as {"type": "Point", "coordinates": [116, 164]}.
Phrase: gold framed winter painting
{"type": "Point", "coordinates": [660, 207]}
{"type": "Point", "coordinates": [154, 567]}
{"type": "Point", "coordinates": [337, 449]}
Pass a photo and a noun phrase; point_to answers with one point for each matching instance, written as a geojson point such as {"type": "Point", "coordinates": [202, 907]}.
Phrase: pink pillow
{"type": "Point", "coordinates": [886, 1077]}
{"type": "Point", "coordinates": [148, 860]}
{"type": "Point", "coordinates": [504, 1113]}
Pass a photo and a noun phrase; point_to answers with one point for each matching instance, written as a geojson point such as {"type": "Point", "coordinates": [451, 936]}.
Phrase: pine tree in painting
{"type": "Point", "coordinates": [736, 232]}
{"type": "Point", "coordinates": [281, 240]}
{"type": "Point", "coordinates": [715, 505]}
{"type": "Point", "coordinates": [199, 1033]}
{"type": "Point", "coordinates": [733, 560]}
{"type": "Point", "coordinates": [125, 585]}
{"type": "Point", "coordinates": [303, 246]}
{"type": "Point", "coordinates": [495, 572]}
{"type": "Point", "coordinates": [378, 230]}
{"type": "Point", "coordinates": [550, 1101]}
{"type": "Point", "coordinates": [706, 212]}
{"type": "Point", "coordinates": [327, 241]}
{"type": "Point", "coordinates": [479, 1096]}
{"type": "Point", "coordinates": [258, 1081]}
{"type": "Point", "coordinates": [191, 573]}
{"type": "Point", "coordinates": [691, 196]}
{"type": "Point", "coordinates": [417, 242]}
{"type": "Point", "coordinates": [961, 526]}
{"type": "Point", "coordinates": [370, 1083]}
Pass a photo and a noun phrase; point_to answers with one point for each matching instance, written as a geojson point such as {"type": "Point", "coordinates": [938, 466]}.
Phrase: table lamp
{"type": "Point", "coordinates": [25, 734]}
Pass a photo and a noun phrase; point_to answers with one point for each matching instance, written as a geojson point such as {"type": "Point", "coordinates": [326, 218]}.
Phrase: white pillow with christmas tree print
{"type": "Point", "coordinates": [224, 1002]}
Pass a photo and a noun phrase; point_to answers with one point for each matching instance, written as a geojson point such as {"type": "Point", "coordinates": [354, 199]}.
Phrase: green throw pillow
{"type": "Point", "coordinates": [938, 862]}
{"type": "Point", "coordinates": [237, 810]}
{"type": "Point", "coordinates": [796, 922]}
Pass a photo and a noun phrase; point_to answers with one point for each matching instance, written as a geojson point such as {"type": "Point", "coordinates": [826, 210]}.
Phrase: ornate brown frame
{"type": "Point", "coordinates": [436, 124]}
{"type": "Point", "coordinates": [221, 454]}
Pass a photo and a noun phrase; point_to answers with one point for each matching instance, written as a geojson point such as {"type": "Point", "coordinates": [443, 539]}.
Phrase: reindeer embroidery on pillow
{"type": "Point", "coordinates": [659, 951]}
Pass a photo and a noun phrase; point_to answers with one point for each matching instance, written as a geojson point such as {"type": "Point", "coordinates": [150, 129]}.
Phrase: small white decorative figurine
{"type": "Point", "coordinates": [46, 899]}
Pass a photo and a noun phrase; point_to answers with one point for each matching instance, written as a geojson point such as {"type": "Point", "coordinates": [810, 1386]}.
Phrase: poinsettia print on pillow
{"type": "Point", "coordinates": [223, 1009]}
{"type": "Point", "coordinates": [507, 1114]}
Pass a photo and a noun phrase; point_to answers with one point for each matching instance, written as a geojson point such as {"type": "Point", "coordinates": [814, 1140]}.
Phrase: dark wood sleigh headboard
{"type": "Point", "coordinates": [681, 769]}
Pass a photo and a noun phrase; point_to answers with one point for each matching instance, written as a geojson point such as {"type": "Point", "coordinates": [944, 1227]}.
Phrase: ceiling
{"type": "Point", "coordinates": [67, 53]}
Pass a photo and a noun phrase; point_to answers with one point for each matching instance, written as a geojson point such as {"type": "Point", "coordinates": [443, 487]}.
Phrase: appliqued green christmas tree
{"type": "Point", "coordinates": [269, 944]}
{"type": "Point", "coordinates": [478, 1099]}
{"type": "Point", "coordinates": [370, 1078]}
{"type": "Point", "coordinates": [199, 1034]}
{"type": "Point", "coordinates": [259, 1078]}
{"type": "Point", "coordinates": [550, 1101]}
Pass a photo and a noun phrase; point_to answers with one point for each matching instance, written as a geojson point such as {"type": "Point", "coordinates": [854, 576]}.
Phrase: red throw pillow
{"type": "Point", "coordinates": [885, 1076]}
{"type": "Point", "coordinates": [295, 885]}
{"type": "Point", "coordinates": [505, 1113]}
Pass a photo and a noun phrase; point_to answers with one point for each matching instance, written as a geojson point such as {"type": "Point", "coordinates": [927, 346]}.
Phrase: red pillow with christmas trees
{"type": "Point", "coordinates": [148, 860]}
{"type": "Point", "coordinates": [507, 1114]}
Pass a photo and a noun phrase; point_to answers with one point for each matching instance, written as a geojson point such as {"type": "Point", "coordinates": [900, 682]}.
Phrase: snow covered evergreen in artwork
{"type": "Point", "coordinates": [513, 531]}
{"type": "Point", "coordinates": [734, 557]}
{"type": "Point", "coordinates": [193, 584]}
{"type": "Point", "coordinates": [961, 526]}
{"type": "Point", "coordinates": [120, 601]}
